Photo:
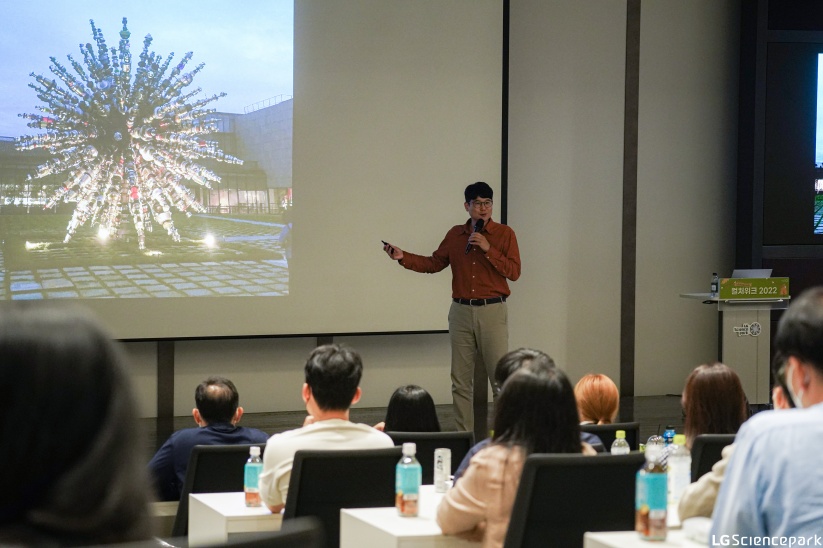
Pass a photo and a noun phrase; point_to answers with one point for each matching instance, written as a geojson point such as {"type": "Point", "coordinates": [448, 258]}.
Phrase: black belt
{"type": "Point", "coordinates": [480, 302]}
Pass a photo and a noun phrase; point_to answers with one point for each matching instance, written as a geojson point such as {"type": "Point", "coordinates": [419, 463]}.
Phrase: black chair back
{"type": "Point", "coordinates": [459, 442]}
{"type": "Point", "coordinates": [323, 482]}
{"type": "Point", "coordinates": [706, 449]}
{"type": "Point", "coordinates": [607, 433]}
{"type": "Point", "coordinates": [296, 533]}
{"type": "Point", "coordinates": [212, 469]}
{"type": "Point", "coordinates": [560, 497]}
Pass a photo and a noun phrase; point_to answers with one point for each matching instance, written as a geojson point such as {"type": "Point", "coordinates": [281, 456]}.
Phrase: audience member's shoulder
{"type": "Point", "coordinates": [257, 435]}
{"type": "Point", "coordinates": [494, 453]}
{"type": "Point", "coordinates": [776, 423]}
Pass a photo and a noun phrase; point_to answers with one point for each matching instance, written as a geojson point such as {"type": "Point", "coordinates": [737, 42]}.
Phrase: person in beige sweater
{"type": "Point", "coordinates": [536, 412]}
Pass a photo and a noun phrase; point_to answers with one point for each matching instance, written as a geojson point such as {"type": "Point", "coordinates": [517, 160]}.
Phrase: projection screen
{"type": "Point", "coordinates": [395, 108]}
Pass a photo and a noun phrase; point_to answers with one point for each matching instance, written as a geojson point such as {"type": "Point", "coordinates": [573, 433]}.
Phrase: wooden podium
{"type": "Point", "coordinates": [744, 306]}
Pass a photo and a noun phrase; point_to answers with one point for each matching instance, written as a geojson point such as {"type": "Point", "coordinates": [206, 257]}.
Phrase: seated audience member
{"type": "Point", "coordinates": [411, 409]}
{"type": "Point", "coordinates": [73, 465]}
{"type": "Point", "coordinates": [507, 365]}
{"type": "Point", "coordinates": [713, 401]}
{"type": "Point", "coordinates": [699, 497]}
{"type": "Point", "coordinates": [597, 399]}
{"type": "Point", "coordinates": [216, 413]}
{"type": "Point", "coordinates": [332, 386]}
{"type": "Point", "coordinates": [774, 482]}
{"type": "Point", "coordinates": [535, 412]}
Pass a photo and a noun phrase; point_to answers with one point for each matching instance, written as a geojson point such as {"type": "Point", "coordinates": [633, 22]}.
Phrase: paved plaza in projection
{"type": "Point", "coordinates": [248, 261]}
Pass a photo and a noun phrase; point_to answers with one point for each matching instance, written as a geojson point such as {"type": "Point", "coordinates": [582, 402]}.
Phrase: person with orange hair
{"type": "Point", "coordinates": [597, 399]}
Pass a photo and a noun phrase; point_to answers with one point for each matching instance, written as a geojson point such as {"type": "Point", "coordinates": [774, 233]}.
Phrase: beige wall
{"type": "Point", "coordinates": [686, 182]}
{"type": "Point", "coordinates": [565, 198]}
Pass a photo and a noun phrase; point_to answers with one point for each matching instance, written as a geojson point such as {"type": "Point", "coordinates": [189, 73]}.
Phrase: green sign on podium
{"type": "Point", "coordinates": [753, 288]}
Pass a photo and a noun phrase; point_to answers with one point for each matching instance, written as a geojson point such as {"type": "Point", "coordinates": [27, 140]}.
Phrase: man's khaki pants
{"type": "Point", "coordinates": [479, 335]}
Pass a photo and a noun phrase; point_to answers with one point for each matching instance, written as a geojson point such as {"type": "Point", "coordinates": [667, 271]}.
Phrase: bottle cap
{"type": "Point", "coordinates": [620, 434]}
{"type": "Point", "coordinates": [680, 439]}
{"type": "Point", "coordinates": [254, 451]}
{"type": "Point", "coordinates": [409, 449]}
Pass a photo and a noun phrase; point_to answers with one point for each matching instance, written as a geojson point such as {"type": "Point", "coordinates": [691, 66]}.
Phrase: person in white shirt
{"type": "Point", "coordinates": [332, 386]}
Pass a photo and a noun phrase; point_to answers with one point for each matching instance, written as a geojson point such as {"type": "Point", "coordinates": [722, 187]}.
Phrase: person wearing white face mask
{"type": "Point", "coordinates": [774, 481]}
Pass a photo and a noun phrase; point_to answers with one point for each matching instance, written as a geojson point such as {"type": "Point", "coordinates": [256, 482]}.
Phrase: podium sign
{"type": "Point", "coordinates": [745, 306]}
{"type": "Point", "coordinates": [753, 288]}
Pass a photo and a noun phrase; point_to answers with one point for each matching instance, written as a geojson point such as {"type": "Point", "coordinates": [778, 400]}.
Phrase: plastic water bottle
{"type": "Point", "coordinates": [650, 497]}
{"type": "Point", "coordinates": [407, 480]}
{"type": "Point", "coordinates": [620, 446]}
{"type": "Point", "coordinates": [251, 478]}
{"type": "Point", "coordinates": [715, 287]}
{"type": "Point", "coordinates": [679, 468]}
{"type": "Point", "coordinates": [668, 434]}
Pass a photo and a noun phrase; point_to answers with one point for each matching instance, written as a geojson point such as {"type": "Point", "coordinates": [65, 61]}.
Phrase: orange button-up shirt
{"type": "Point", "coordinates": [475, 275]}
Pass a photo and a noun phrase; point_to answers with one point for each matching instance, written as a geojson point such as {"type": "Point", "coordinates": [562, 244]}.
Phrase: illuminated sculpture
{"type": "Point", "coordinates": [126, 137]}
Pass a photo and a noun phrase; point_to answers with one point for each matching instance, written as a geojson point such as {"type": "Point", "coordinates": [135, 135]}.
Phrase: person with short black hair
{"type": "Point", "coordinates": [217, 413]}
{"type": "Point", "coordinates": [482, 254]}
{"type": "Point", "coordinates": [773, 486]}
{"type": "Point", "coordinates": [411, 409]}
{"type": "Point", "coordinates": [73, 464]}
{"type": "Point", "coordinates": [332, 386]}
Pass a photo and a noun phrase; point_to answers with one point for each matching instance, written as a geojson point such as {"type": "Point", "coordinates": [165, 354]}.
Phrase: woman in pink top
{"type": "Point", "coordinates": [535, 412]}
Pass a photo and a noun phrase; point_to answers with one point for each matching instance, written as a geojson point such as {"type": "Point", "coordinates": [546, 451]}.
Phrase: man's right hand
{"type": "Point", "coordinates": [394, 252]}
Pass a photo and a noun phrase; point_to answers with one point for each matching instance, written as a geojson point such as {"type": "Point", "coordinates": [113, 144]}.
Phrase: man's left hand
{"type": "Point", "coordinates": [476, 238]}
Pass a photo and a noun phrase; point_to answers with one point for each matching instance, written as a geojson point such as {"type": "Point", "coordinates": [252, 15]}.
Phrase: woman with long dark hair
{"type": "Point", "coordinates": [536, 412]}
{"type": "Point", "coordinates": [411, 409]}
{"type": "Point", "coordinates": [73, 472]}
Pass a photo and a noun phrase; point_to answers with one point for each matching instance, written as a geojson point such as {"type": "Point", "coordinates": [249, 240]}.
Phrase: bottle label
{"type": "Point", "coordinates": [407, 488]}
{"type": "Point", "coordinates": [251, 479]}
{"type": "Point", "coordinates": [251, 483]}
{"type": "Point", "coordinates": [650, 505]}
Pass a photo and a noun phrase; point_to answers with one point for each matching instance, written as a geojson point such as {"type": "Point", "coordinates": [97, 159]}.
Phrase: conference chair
{"type": "Point", "coordinates": [323, 482]}
{"type": "Point", "coordinates": [706, 449]}
{"type": "Point", "coordinates": [211, 469]}
{"type": "Point", "coordinates": [297, 533]}
{"type": "Point", "coordinates": [560, 497]}
{"type": "Point", "coordinates": [607, 433]}
{"type": "Point", "coordinates": [459, 442]}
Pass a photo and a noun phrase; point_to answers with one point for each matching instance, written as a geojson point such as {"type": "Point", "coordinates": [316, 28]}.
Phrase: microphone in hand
{"type": "Point", "coordinates": [478, 226]}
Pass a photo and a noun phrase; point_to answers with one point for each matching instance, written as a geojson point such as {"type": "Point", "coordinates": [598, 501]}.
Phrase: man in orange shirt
{"type": "Point", "coordinates": [482, 254]}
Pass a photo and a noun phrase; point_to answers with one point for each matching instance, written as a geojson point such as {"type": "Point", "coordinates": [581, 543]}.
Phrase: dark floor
{"type": "Point", "coordinates": [652, 412]}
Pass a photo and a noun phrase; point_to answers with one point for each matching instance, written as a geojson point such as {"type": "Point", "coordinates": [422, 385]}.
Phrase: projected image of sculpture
{"type": "Point", "coordinates": [125, 138]}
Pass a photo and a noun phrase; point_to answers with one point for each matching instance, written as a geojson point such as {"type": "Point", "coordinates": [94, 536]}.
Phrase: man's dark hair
{"type": "Point", "coordinates": [216, 399]}
{"type": "Point", "coordinates": [478, 190]}
{"type": "Point", "coordinates": [333, 373]}
{"type": "Point", "coordinates": [800, 330]}
{"type": "Point", "coordinates": [516, 359]}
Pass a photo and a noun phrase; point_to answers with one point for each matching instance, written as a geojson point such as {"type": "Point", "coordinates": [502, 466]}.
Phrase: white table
{"type": "Point", "coordinates": [630, 539]}
{"type": "Point", "coordinates": [212, 516]}
{"type": "Point", "coordinates": [382, 527]}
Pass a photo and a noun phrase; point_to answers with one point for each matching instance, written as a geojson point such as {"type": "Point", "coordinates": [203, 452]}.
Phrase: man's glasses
{"type": "Point", "coordinates": [481, 204]}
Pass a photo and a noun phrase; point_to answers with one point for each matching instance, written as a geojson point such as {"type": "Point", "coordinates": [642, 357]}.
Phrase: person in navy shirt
{"type": "Point", "coordinates": [217, 413]}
